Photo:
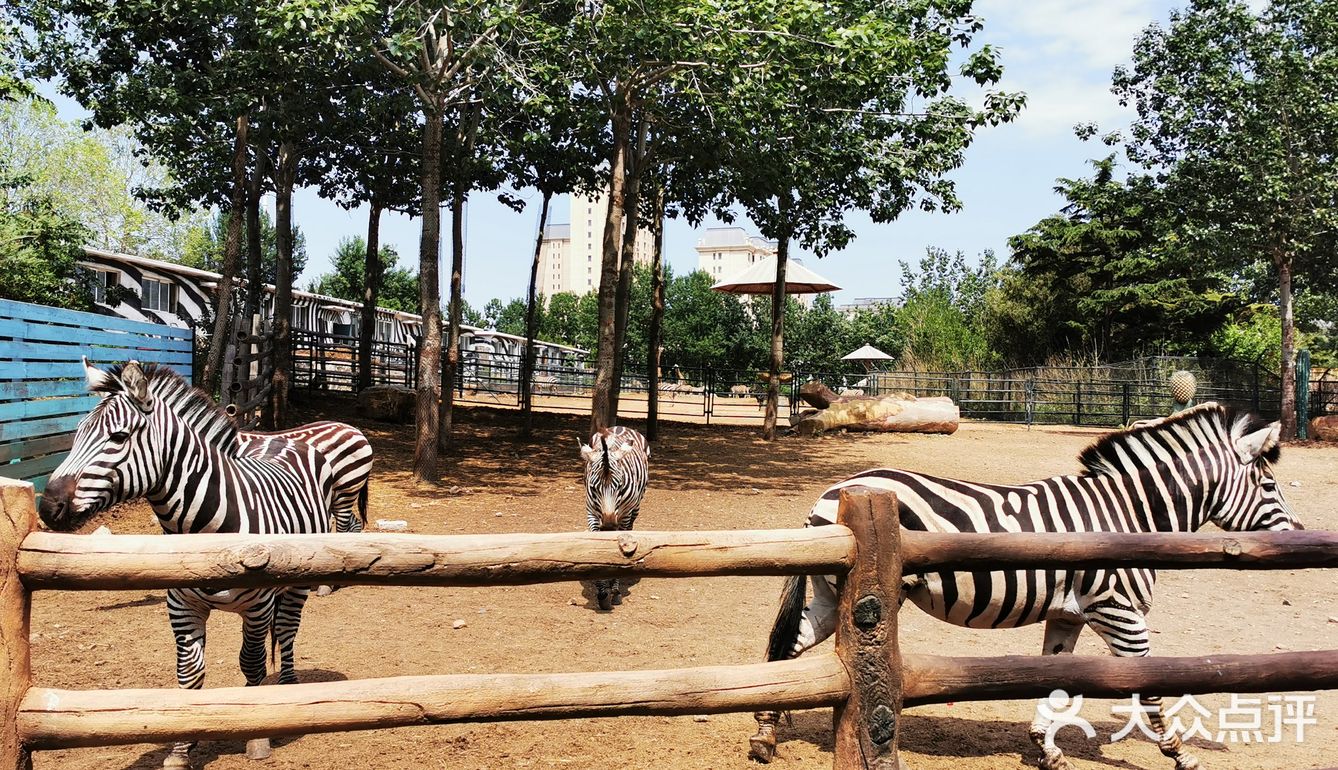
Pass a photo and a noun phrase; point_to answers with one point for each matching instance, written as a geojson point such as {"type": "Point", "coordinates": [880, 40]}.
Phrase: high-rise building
{"type": "Point", "coordinates": [570, 257]}
{"type": "Point", "coordinates": [723, 252]}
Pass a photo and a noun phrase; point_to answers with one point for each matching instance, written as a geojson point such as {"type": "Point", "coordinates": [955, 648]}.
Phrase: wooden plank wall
{"type": "Point", "coordinates": [42, 390]}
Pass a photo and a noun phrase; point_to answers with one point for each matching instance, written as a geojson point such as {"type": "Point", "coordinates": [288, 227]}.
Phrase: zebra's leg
{"type": "Point", "coordinates": [188, 615]}
{"type": "Point", "coordinates": [1061, 636]}
{"type": "Point", "coordinates": [255, 634]}
{"type": "Point", "coordinates": [345, 519]}
{"type": "Point", "coordinates": [616, 589]}
{"type": "Point", "coordinates": [1124, 629]}
{"type": "Point", "coordinates": [817, 623]}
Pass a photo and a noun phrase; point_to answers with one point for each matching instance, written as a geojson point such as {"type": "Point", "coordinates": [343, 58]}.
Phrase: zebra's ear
{"type": "Point", "coordinates": [1254, 445]}
{"type": "Point", "coordinates": [98, 380]}
{"type": "Point", "coordinates": [137, 386]}
{"type": "Point", "coordinates": [587, 451]}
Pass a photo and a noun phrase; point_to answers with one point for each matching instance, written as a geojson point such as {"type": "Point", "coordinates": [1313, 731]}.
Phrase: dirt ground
{"type": "Point", "coordinates": [701, 478]}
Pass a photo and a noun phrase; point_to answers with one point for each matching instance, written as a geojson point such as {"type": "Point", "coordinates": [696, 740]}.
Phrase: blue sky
{"type": "Point", "coordinates": [1060, 52]}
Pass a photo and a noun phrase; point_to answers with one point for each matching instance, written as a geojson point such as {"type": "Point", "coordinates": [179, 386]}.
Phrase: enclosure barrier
{"type": "Point", "coordinates": [866, 679]}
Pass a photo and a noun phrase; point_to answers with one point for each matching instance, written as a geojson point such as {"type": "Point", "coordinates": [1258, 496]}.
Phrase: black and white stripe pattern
{"type": "Point", "coordinates": [154, 436]}
{"type": "Point", "coordinates": [616, 466]}
{"type": "Point", "coordinates": [350, 456]}
{"type": "Point", "coordinates": [1206, 464]}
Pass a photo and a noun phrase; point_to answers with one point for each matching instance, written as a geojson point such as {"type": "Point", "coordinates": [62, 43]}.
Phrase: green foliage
{"type": "Point", "coordinates": [399, 286]}
{"type": "Point", "coordinates": [511, 317]}
{"type": "Point", "coordinates": [38, 249]}
{"type": "Point", "coordinates": [1256, 337]}
{"type": "Point", "coordinates": [942, 313]}
{"type": "Point", "coordinates": [204, 247]}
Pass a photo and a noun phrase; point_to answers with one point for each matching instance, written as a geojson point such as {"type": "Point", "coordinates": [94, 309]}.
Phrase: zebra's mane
{"type": "Point", "coordinates": [1207, 424]}
{"type": "Point", "coordinates": [195, 408]}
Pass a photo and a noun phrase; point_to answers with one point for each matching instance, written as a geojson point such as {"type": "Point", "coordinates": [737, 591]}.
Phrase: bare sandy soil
{"type": "Point", "coordinates": [701, 478]}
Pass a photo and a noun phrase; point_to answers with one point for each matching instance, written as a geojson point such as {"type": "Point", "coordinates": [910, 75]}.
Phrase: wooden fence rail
{"type": "Point", "coordinates": [866, 679]}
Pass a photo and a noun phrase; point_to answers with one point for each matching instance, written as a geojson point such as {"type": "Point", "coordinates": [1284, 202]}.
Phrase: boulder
{"type": "Point", "coordinates": [391, 403]}
{"type": "Point", "coordinates": [1324, 428]}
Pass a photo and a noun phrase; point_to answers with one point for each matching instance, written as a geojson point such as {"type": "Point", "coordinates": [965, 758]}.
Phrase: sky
{"type": "Point", "coordinates": [1061, 53]}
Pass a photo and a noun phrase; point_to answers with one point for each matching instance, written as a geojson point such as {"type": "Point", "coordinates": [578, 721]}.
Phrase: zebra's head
{"type": "Point", "coordinates": [1223, 457]}
{"type": "Point", "coordinates": [604, 478]}
{"type": "Point", "coordinates": [1249, 498]}
{"type": "Point", "coordinates": [112, 459]}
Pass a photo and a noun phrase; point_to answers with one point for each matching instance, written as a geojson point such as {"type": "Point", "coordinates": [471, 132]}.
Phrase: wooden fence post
{"type": "Point", "coordinates": [867, 725]}
{"type": "Point", "coordinates": [17, 519]}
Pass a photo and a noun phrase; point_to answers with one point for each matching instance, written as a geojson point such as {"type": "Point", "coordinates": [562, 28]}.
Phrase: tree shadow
{"type": "Point", "coordinates": [206, 752]}
{"type": "Point", "coordinates": [487, 452]}
{"type": "Point", "coordinates": [148, 600]}
{"type": "Point", "coordinates": [960, 737]}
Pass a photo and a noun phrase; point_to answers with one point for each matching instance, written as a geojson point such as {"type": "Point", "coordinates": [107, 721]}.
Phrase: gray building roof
{"type": "Point", "coordinates": [557, 232]}
{"type": "Point", "coordinates": [724, 237]}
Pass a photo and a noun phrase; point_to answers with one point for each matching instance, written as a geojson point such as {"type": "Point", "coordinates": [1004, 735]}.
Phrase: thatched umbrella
{"type": "Point", "coordinates": [867, 355]}
{"type": "Point", "coordinates": [760, 278]}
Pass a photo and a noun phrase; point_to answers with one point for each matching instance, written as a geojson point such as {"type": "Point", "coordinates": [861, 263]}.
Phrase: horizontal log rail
{"type": "Point", "coordinates": [962, 552]}
{"type": "Point", "coordinates": [48, 560]}
{"type": "Point", "coordinates": [55, 719]}
{"type": "Point", "coordinates": [938, 679]}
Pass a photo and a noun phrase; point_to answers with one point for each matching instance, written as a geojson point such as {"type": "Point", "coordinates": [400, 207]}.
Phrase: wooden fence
{"type": "Point", "coordinates": [866, 678]}
{"type": "Point", "coordinates": [43, 394]}
{"type": "Point", "coordinates": [248, 370]}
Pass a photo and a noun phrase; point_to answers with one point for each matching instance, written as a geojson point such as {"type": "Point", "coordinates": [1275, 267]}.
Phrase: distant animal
{"type": "Point", "coordinates": [156, 437]}
{"type": "Point", "coordinates": [616, 467]}
{"type": "Point", "coordinates": [1205, 464]}
{"type": "Point", "coordinates": [741, 391]}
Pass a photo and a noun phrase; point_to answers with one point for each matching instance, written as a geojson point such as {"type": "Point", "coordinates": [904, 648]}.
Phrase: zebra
{"type": "Point", "coordinates": [1175, 474]}
{"type": "Point", "coordinates": [154, 436]}
{"type": "Point", "coordinates": [616, 461]}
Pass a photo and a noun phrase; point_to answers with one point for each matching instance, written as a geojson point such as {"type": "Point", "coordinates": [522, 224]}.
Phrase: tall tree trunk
{"type": "Point", "coordinates": [656, 320]}
{"type": "Point", "coordinates": [1288, 407]}
{"type": "Point", "coordinates": [429, 298]}
{"type": "Point", "coordinates": [218, 341]}
{"type": "Point", "coordinates": [255, 283]}
{"type": "Point", "coordinates": [285, 174]}
{"type": "Point", "coordinates": [371, 287]}
{"type": "Point", "coordinates": [532, 326]}
{"type": "Point", "coordinates": [627, 263]}
{"type": "Point", "coordinates": [452, 367]}
{"type": "Point", "coordinates": [777, 337]}
{"type": "Point", "coordinates": [606, 350]}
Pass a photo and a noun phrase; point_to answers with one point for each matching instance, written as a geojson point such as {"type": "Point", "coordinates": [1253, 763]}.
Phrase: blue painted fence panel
{"type": "Point", "coordinates": [42, 390]}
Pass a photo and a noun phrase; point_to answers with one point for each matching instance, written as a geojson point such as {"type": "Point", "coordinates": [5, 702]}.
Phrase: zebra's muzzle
{"type": "Point", "coordinates": [57, 510]}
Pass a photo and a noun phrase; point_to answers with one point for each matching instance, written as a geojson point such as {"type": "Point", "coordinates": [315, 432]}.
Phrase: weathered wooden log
{"type": "Point", "coordinates": [937, 679]}
{"type": "Point", "coordinates": [868, 723]}
{"type": "Point", "coordinates": [923, 415]}
{"type": "Point", "coordinates": [963, 552]}
{"type": "Point", "coordinates": [815, 393]}
{"type": "Point", "coordinates": [18, 517]}
{"type": "Point", "coordinates": [52, 719]}
{"type": "Point", "coordinates": [63, 561]}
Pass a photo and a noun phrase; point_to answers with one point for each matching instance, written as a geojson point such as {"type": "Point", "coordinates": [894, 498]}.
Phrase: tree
{"type": "Point", "coordinates": [825, 123]}
{"type": "Point", "coordinates": [38, 249]}
{"type": "Point", "coordinates": [1235, 114]}
{"type": "Point", "coordinates": [399, 286]}
{"type": "Point", "coordinates": [204, 246]}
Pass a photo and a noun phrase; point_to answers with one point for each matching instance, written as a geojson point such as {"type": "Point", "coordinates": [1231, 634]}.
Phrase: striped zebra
{"type": "Point", "coordinates": [350, 457]}
{"type": "Point", "coordinates": [154, 436]}
{"type": "Point", "coordinates": [1206, 464]}
{"type": "Point", "coordinates": [616, 461]}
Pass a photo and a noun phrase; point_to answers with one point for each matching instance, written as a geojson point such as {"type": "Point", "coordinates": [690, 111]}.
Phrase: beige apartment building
{"type": "Point", "coordinates": [723, 252]}
{"type": "Point", "coordinates": [569, 259]}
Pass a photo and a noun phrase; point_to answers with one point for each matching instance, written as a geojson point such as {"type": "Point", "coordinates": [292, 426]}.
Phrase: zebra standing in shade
{"type": "Point", "coordinates": [1205, 464]}
{"type": "Point", "coordinates": [616, 461]}
{"type": "Point", "coordinates": [154, 436]}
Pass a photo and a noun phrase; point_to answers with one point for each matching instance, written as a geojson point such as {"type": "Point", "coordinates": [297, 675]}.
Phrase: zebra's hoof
{"type": "Point", "coordinates": [605, 601]}
{"type": "Point", "coordinates": [1054, 759]}
{"type": "Point", "coordinates": [616, 597]}
{"type": "Point", "coordinates": [762, 748]}
{"type": "Point", "coordinates": [324, 590]}
{"type": "Point", "coordinates": [175, 761]}
{"type": "Point", "coordinates": [1187, 762]}
{"type": "Point", "coordinates": [258, 748]}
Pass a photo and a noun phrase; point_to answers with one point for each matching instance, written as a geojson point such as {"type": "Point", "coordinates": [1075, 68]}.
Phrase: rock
{"type": "Point", "coordinates": [1293, 483]}
{"type": "Point", "coordinates": [1333, 619]}
{"type": "Point", "coordinates": [1324, 428]}
{"type": "Point", "coordinates": [102, 530]}
{"type": "Point", "coordinates": [1286, 602]}
{"type": "Point", "coordinates": [459, 624]}
{"type": "Point", "coordinates": [701, 718]}
{"type": "Point", "coordinates": [391, 403]}
{"type": "Point", "coordinates": [392, 525]}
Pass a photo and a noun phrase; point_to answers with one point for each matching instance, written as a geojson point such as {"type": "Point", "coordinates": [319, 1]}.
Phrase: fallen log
{"type": "Point", "coordinates": [896, 413]}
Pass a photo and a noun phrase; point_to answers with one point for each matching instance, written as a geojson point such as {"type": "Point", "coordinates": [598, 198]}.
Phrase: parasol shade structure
{"type": "Point", "coordinates": [867, 353]}
{"type": "Point", "coordinates": [760, 277]}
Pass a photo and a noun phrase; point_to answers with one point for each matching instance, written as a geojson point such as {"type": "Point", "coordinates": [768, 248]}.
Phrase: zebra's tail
{"type": "Point", "coordinates": [362, 504]}
{"type": "Point", "coordinates": [785, 631]}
